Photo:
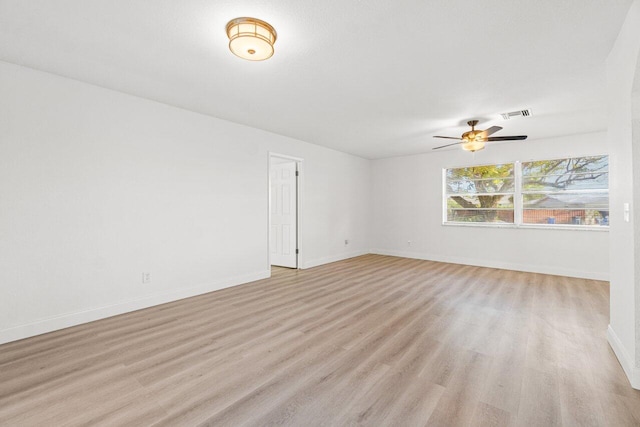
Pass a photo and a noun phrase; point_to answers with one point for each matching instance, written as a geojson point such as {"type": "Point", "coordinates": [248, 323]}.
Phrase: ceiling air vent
{"type": "Point", "coordinates": [523, 113]}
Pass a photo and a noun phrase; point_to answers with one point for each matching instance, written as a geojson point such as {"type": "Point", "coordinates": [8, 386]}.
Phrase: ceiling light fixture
{"type": "Point", "coordinates": [473, 145]}
{"type": "Point", "coordinates": [473, 139]}
{"type": "Point", "coordinates": [251, 38]}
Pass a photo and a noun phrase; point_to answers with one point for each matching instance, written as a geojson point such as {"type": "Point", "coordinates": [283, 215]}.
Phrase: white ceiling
{"type": "Point", "coordinates": [375, 78]}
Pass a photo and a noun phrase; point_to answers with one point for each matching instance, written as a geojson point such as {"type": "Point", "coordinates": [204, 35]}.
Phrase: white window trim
{"type": "Point", "coordinates": [517, 194]}
{"type": "Point", "coordinates": [517, 206]}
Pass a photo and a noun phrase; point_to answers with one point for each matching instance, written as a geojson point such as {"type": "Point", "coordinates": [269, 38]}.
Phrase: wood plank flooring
{"type": "Point", "coordinates": [372, 340]}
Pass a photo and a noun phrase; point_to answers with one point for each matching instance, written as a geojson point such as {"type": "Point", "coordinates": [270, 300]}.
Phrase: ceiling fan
{"type": "Point", "coordinates": [474, 140]}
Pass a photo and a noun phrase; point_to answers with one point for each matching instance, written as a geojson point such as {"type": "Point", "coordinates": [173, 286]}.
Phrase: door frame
{"type": "Point", "coordinates": [299, 195]}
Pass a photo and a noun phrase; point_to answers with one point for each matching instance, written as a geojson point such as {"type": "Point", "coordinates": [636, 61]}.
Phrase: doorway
{"type": "Point", "coordinates": [284, 212]}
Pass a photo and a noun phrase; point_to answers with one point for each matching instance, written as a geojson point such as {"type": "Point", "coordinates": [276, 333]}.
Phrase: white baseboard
{"type": "Point", "coordinates": [626, 361]}
{"type": "Point", "coordinates": [496, 264]}
{"type": "Point", "coordinates": [76, 318]}
{"type": "Point", "coordinates": [333, 258]}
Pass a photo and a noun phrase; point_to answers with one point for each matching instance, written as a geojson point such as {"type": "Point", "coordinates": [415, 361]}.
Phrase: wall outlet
{"type": "Point", "coordinates": [346, 241]}
{"type": "Point", "coordinates": [146, 277]}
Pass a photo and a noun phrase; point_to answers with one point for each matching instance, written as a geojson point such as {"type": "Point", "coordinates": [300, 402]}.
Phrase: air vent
{"type": "Point", "coordinates": [523, 113]}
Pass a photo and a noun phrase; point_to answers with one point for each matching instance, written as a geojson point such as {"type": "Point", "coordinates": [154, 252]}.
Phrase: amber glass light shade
{"type": "Point", "coordinates": [473, 145]}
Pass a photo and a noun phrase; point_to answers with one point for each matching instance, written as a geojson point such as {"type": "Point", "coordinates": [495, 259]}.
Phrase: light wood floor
{"type": "Point", "coordinates": [372, 340]}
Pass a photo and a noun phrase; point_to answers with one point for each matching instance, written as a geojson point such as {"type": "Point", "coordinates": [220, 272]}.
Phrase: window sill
{"type": "Point", "coordinates": [568, 227]}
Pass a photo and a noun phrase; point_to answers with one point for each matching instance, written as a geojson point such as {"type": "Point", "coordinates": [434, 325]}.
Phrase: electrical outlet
{"type": "Point", "coordinates": [346, 241]}
{"type": "Point", "coordinates": [146, 278]}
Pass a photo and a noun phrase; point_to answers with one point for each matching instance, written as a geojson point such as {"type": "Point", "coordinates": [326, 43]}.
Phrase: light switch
{"type": "Point", "coordinates": [626, 212]}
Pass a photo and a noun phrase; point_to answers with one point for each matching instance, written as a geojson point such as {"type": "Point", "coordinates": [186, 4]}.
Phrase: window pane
{"type": "Point", "coordinates": [576, 164]}
{"type": "Point", "coordinates": [481, 179]}
{"type": "Point", "coordinates": [590, 200]}
{"type": "Point", "coordinates": [572, 181]}
{"type": "Point", "coordinates": [480, 215]}
{"type": "Point", "coordinates": [488, 171]}
{"type": "Point", "coordinates": [566, 216]}
{"type": "Point", "coordinates": [485, 185]}
{"type": "Point", "coordinates": [467, 201]}
{"type": "Point", "coordinates": [566, 174]}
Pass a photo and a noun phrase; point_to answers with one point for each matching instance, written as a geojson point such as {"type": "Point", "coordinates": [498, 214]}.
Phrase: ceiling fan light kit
{"type": "Point", "coordinates": [251, 38]}
{"type": "Point", "coordinates": [473, 146]}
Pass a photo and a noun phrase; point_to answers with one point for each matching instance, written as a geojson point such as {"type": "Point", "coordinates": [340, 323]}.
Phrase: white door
{"type": "Point", "coordinates": [283, 243]}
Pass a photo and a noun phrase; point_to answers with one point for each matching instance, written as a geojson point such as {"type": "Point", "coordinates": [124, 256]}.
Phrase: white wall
{"type": "Point", "coordinates": [407, 200]}
{"type": "Point", "coordinates": [635, 144]}
{"type": "Point", "coordinates": [97, 187]}
{"type": "Point", "coordinates": [622, 63]}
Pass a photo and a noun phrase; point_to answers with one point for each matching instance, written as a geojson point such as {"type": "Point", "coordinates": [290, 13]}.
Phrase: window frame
{"type": "Point", "coordinates": [518, 201]}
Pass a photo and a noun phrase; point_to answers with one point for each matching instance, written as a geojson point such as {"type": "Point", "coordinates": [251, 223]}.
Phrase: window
{"type": "Point", "coordinates": [480, 194]}
{"type": "Point", "coordinates": [552, 193]}
{"type": "Point", "coordinates": [566, 191]}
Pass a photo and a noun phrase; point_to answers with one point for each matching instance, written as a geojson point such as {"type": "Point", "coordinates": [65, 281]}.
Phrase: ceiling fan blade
{"type": "Point", "coordinates": [448, 145]}
{"type": "Point", "coordinates": [448, 137]}
{"type": "Point", "coordinates": [491, 131]}
{"type": "Point", "coordinates": [507, 138]}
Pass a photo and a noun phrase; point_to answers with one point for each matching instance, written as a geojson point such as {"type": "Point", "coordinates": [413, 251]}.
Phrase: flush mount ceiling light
{"type": "Point", "coordinates": [251, 38]}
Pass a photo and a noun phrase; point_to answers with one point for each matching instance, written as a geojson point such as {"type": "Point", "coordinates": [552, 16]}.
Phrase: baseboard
{"type": "Point", "coordinates": [67, 320]}
{"type": "Point", "coordinates": [333, 258]}
{"type": "Point", "coordinates": [496, 264]}
{"type": "Point", "coordinates": [626, 361]}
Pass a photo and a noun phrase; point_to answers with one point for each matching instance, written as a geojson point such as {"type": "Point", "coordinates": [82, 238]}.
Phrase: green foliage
{"type": "Point", "coordinates": [481, 179]}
